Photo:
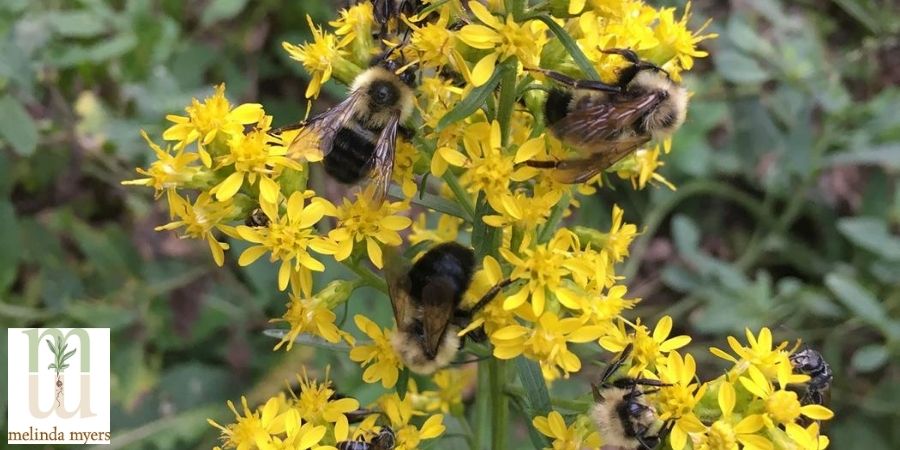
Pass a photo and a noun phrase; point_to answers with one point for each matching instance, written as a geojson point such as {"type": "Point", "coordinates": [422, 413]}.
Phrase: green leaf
{"type": "Point", "coordinates": [10, 245]}
{"type": "Point", "coordinates": [887, 156]}
{"type": "Point", "coordinates": [78, 24]}
{"type": "Point", "coordinates": [571, 46]}
{"type": "Point", "coordinates": [68, 355]}
{"type": "Point", "coordinates": [431, 201]}
{"type": "Point", "coordinates": [402, 383]}
{"type": "Point", "coordinates": [467, 106]}
{"type": "Point", "coordinates": [871, 234]}
{"type": "Point", "coordinates": [738, 67]}
{"type": "Point", "coordinates": [17, 127]}
{"type": "Point", "coordinates": [219, 10]}
{"type": "Point", "coordinates": [870, 358]}
{"type": "Point", "coordinates": [535, 389]}
{"type": "Point", "coordinates": [51, 366]}
{"type": "Point", "coordinates": [52, 347]}
{"type": "Point", "coordinates": [859, 300]}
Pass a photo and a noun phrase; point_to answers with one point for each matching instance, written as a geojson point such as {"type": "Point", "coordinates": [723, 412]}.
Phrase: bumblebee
{"type": "Point", "coordinates": [607, 122]}
{"type": "Point", "coordinates": [810, 362]}
{"type": "Point", "coordinates": [257, 219]}
{"type": "Point", "coordinates": [621, 412]}
{"type": "Point", "coordinates": [426, 301]}
{"type": "Point", "coordinates": [358, 136]}
{"type": "Point", "coordinates": [384, 440]}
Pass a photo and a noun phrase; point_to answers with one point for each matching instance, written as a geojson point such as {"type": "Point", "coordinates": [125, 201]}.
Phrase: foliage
{"type": "Point", "coordinates": [786, 211]}
{"type": "Point", "coordinates": [60, 355]}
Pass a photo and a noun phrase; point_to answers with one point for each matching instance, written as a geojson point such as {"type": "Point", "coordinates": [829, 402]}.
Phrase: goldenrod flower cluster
{"type": "Point", "coordinates": [479, 116]}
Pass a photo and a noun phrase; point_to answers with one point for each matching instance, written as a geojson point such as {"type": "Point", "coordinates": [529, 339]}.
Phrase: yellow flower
{"type": "Point", "coordinates": [759, 354]}
{"type": "Point", "coordinates": [544, 267]}
{"type": "Point", "coordinates": [577, 436]}
{"type": "Point", "coordinates": [504, 39]}
{"type": "Point", "coordinates": [318, 57]}
{"type": "Point", "coordinates": [676, 40]}
{"type": "Point", "coordinates": [450, 383]}
{"type": "Point", "coordinates": [289, 237]}
{"type": "Point", "coordinates": [446, 230]}
{"type": "Point", "coordinates": [316, 403]}
{"type": "Point", "coordinates": [355, 25]}
{"type": "Point", "coordinates": [603, 309]}
{"type": "Point", "coordinates": [206, 120]}
{"type": "Point", "coordinates": [641, 169]}
{"type": "Point", "coordinates": [405, 158]}
{"type": "Point", "coordinates": [168, 171]}
{"type": "Point", "coordinates": [314, 315]}
{"type": "Point", "coordinates": [493, 316]}
{"type": "Point", "coordinates": [781, 405]}
{"type": "Point", "coordinates": [649, 351]}
{"type": "Point", "coordinates": [724, 434]}
{"type": "Point", "coordinates": [676, 402]}
{"type": "Point", "coordinates": [253, 156]}
{"type": "Point", "coordinates": [362, 220]}
{"type": "Point", "coordinates": [400, 412]}
{"type": "Point", "coordinates": [546, 343]}
{"type": "Point", "coordinates": [517, 208]}
{"type": "Point", "coordinates": [383, 363]}
{"type": "Point", "coordinates": [434, 42]}
{"type": "Point", "coordinates": [200, 219]}
{"type": "Point", "coordinates": [255, 428]}
{"type": "Point", "coordinates": [300, 435]}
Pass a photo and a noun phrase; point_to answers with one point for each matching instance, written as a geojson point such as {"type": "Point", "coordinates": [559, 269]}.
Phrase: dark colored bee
{"type": "Point", "coordinates": [384, 440]}
{"type": "Point", "coordinates": [621, 412]}
{"type": "Point", "coordinates": [426, 300]}
{"type": "Point", "coordinates": [810, 362]}
{"type": "Point", "coordinates": [358, 136]}
{"type": "Point", "coordinates": [607, 122]}
{"type": "Point", "coordinates": [387, 13]}
{"type": "Point", "coordinates": [257, 218]}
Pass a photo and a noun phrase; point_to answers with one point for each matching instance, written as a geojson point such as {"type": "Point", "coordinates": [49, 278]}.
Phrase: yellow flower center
{"type": "Point", "coordinates": [210, 114]}
{"type": "Point", "coordinates": [720, 436]}
{"type": "Point", "coordinates": [676, 400]}
{"type": "Point", "coordinates": [251, 153]}
{"type": "Point", "coordinates": [286, 240]}
{"type": "Point", "coordinates": [517, 40]}
{"type": "Point", "coordinates": [783, 406]}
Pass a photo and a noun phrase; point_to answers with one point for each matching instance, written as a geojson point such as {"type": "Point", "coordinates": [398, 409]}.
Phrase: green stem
{"type": "Point", "coordinates": [368, 277]}
{"type": "Point", "coordinates": [499, 403]}
{"type": "Point", "coordinates": [461, 195]}
{"type": "Point", "coordinates": [555, 216]}
{"type": "Point", "coordinates": [483, 406]}
{"type": "Point", "coordinates": [507, 101]}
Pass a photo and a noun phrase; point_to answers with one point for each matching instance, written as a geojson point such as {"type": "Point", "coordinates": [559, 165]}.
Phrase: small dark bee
{"type": "Point", "coordinates": [607, 122]}
{"type": "Point", "coordinates": [384, 440]}
{"type": "Point", "coordinates": [426, 301]}
{"type": "Point", "coordinates": [622, 414]}
{"type": "Point", "coordinates": [358, 136]}
{"type": "Point", "coordinates": [810, 362]}
{"type": "Point", "coordinates": [257, 218]}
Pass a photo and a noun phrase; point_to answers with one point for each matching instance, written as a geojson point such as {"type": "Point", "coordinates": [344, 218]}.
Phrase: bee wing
{"type": "Point", "coordinates": [605, 154]}
{"type": "Point", "coordinates": [383, 159]}
{"type": "Point", "coordinates": [317, 134]}
{"type": "Point", "coordinates": [397, 277]}
{"type": "Point", "coordinates": [603, 121]}
{"type": "Point", "coordinates": [438, 305]}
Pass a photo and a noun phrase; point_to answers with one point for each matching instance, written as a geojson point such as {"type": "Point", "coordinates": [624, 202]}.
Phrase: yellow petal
{"type": "Point", "coordinates": [247, 113]}
{"type": "Point", "coordinates": [227, 188]}
{"type": "Point", "coordinates": [433, 427]}
{"type": "Point", "coordinates": [374, 251]}
{"type": "Point", "coordinates": [817, 412]}
{"type": "Point", "coordinates": [251, 254]}
{"type": "Point", "coordinates": [675, 343]}
{"type": "Point", "coordinates": [312, 436]}
{"type": "Point", "coordinates": [663, 328]}
{"type": "Point", "coordinates": [749, 424]}
{"type": "Point", "coordinates": [484, 69]}
{"type": "Point", "coordinates": [482, 13]}
{"type": "Point", "coordinates": [453, 157]}
{"type": "Point", "coordinates": [529, 150]}
{"type": "Point", "coordinates": [495, 134]}
{"type": "Point", "coordinates": [726, 398]}
{"type": "Point", "coordinates": [268, 190]}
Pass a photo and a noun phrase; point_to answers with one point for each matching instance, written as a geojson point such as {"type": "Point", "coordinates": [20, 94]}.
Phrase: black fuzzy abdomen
{"type": "Point", "coordinates": [350, 157]}
{"type": "Point", "coordinates": [449, 260]}
{"type": "Point", "coordinates": [557, 105]}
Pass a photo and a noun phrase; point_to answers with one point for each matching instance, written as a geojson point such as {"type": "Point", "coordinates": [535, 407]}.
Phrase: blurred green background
{"type": "Point", "coordinates": [787, 210]}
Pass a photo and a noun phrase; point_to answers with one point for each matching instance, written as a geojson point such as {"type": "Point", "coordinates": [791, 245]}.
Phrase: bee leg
{"type": "Point", "coordinates": [595, 390]}
{"type": "Point", "coordinates": [617, 363]}
{"type": "Point", "coordinates": [291, 127]}
{"type": "Point", "coordinates": [578, 84]}
{"type": "Point", "coordinates": [626, 53]}
{"type": "Point", "coordinates": [489, 295]}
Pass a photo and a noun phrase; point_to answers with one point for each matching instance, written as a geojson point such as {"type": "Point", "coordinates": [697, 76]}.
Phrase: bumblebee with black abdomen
{"type": "Point", "coordinates": [607, 122]}
{"type": "Point", "coordinates": [427, 300]}
{"type": "Point", "coordinates": [621, 412]}
{"type": "Point", "coordinates": [384, 440]}
{"type": "Point", "coordinates": [810, 362]}
{"type": "Point", "coordinates": [358, 136]}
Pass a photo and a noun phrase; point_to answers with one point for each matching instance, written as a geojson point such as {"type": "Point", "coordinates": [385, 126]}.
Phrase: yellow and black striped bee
{"type": "Point", "coordinates": [621, 412]}
{"type": "Point", "coordinates": [426, 301]}
{"type": "Point", "coordinates": [607, 122]}
{"type": "Point", "coordinates": [357, 137]}
{"type": "Point", "coordinates": [384, 440]}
